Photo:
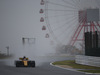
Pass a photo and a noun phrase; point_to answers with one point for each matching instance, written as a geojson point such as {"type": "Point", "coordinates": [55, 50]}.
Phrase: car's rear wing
{"type": "Point", "coordinates": [22, 58]}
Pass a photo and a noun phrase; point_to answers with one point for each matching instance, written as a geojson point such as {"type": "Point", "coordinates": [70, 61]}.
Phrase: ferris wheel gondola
{"type": "Point", "coordinates": [42, 2]}
{"type": "Point", "coordinates": [41, 11]}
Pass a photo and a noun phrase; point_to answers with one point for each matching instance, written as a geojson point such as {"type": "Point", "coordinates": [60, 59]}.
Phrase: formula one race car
{"type": "Point", "coordinates": [24, 62]}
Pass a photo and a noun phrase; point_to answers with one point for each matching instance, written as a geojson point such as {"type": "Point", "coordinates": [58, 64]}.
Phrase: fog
{"type": "Point", "coordinates": [21, 19]}
{"type": "Point", "coordinates": [18, 19]}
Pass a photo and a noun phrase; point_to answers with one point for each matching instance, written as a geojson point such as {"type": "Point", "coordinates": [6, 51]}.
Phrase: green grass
{"type": "Point", "coordinates": [74, 65]}
{"type": "Point", "coordinates": [2, 56]}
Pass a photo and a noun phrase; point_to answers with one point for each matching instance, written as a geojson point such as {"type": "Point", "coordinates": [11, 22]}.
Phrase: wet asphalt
{"type": "Point", "coordinates": [41, 69]}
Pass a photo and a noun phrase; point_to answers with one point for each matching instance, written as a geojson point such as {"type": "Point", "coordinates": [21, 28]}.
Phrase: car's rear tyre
{"type": "Point", "coordinates": [31, 63]}
{"type": "Point", "coordinates": [19, 64]}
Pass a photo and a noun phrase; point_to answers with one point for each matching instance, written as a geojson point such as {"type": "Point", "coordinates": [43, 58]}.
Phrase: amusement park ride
{"type": "Point", "coordinates": [84, 22]}
{"type": "Point", "coordinates": [75, 21]}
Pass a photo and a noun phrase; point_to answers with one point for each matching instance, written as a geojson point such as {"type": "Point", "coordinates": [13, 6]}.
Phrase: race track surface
{"type": "Point", "coordinates": [44, 69]}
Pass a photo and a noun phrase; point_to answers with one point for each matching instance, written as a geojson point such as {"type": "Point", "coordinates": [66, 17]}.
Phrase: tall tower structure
{"type": "Point", "coordinates": [89, 27]}
{"type": "Point", "coordinates": [88, 22]}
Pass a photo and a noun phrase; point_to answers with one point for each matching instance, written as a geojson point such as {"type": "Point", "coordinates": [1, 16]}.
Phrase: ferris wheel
{"type": "Point", "coordinates": [67, 19]}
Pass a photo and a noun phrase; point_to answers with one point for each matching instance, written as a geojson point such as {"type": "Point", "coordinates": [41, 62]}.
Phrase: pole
{"type": "Point", "coordinates": [7, 50]}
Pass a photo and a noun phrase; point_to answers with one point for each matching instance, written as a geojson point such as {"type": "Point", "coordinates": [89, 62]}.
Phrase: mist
{"type": "Point", "coordinates": [21, 19]}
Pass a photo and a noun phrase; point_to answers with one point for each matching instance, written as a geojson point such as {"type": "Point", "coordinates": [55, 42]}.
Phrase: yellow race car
{"type": "Point", "coordinates": [24, 62]}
